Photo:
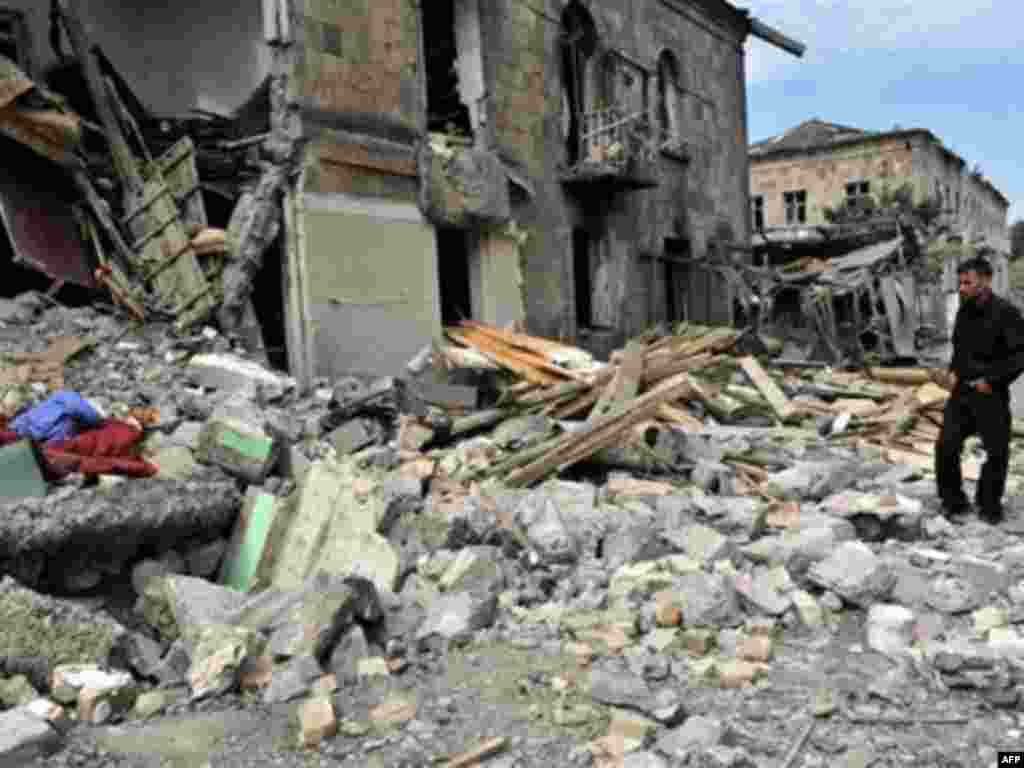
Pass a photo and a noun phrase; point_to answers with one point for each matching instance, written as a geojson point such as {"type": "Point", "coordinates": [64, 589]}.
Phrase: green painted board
{"type": "Point", "coordinates": [248, 541]}
{"type": "Point", "coordinates": [247, 446]}
{"type": "Point", "coordinates": [20, 476]}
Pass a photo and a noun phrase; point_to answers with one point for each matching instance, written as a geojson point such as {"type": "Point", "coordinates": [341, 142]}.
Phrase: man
{"type": "Point", "coordinates": [988, 354]}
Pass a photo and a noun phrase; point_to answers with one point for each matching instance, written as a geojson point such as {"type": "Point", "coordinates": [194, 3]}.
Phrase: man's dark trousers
{"type": "Point", "coordinates": [967, 413]}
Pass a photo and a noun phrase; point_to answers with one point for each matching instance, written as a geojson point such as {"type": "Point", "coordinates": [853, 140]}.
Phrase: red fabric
{"type": "Point", "coordinates": [107, 450]}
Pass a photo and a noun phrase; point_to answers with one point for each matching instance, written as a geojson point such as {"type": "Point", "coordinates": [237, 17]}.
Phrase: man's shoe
{"type": "Point", "coordinates": [956, 512]}
{"type": "Point", "coordinates": [992, 516]}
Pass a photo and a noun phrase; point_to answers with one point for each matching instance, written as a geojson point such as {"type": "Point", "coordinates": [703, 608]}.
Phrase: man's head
{"type": "Point", "coordinates": [975, 280]}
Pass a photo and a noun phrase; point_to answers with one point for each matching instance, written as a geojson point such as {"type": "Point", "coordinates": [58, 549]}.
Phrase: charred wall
{"type": "Point", "coordinates": [702, 192]}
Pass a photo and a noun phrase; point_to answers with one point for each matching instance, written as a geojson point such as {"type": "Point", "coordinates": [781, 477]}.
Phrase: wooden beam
{"type": "Point", "coordinates": [768, 388]}
{"type": "Point", "coordinates": [602, 432]}
{"type": "Point", "coordinates": [625, 385]}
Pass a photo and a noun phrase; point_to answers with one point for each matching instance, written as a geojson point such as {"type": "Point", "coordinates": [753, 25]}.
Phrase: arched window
{"type": "Point", "coordinates": [668, 97]}
{"type": "Point", "coordinates": [579, 43]}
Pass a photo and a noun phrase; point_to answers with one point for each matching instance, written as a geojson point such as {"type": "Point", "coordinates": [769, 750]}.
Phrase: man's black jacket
{"type": "Point", "coordinates": [988, 343]}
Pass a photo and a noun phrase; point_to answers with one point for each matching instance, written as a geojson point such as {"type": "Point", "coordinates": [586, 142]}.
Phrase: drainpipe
{"type": "Point", "coordinates": [773, 36]}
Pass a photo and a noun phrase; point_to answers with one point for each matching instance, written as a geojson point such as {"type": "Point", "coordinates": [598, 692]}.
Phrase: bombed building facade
{"type": "Point", "coordinates": [567, 166]}
{"type": "Point", "coordinates": [798, 176]}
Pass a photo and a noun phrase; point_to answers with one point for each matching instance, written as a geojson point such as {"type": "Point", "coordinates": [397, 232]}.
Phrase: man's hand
{"type": "Point", "coordinates": [983, 387]}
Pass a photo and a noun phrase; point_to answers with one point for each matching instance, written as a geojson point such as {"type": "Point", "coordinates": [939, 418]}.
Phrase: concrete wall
{"type": "Point", "coordinates": [176, 56]}
{"type": "Point", "coordinates": [695, 200]}
{"type": "Point", "coordinates": [825, 176]}
{"type": "Point", "coordinates": [359, 85]}
{"type": "Point", "coordinates": [372, 282]}
{"type": "Point", "coordinates": [971, 204]}
{"type": "Point", "coordinates": [358, 66]}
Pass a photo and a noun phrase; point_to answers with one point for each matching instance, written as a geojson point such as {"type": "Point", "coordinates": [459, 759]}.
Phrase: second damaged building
{"type": "Point", "coordinates": [566, 166]}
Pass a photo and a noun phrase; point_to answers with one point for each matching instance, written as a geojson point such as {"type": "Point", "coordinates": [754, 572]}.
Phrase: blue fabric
{"type": "Point", "coordinates": [57, 418]}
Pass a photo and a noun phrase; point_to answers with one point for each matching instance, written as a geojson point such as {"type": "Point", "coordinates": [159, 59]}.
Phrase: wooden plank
{"type": "Point", "coordinates": [486, 341]}
{"type": "Point", "coordinates": [768, 388]}
{"type": "Point", "coordinates": [971, 469]}
{"type": "Point", "coordinates": [575, 407]}
{"type": "Point", "coordinates": [625, 385]}
{"type": "Point", "coordinates": [602, 432]}
{"type": "Point", "coordinates": [546, 347]}
{"type": "Point", "coordinates": [556, 392]}
{"type": "Point", "coordinates": [516, 363]}
{"type": "Point", "coordinates": [930, 395]}
{"type": "Point", "coordinates": [680, 418]}
{"type": "Point", "coordinates": [486, 749]}
{"type": "Point", "coordinates": [905, 376]}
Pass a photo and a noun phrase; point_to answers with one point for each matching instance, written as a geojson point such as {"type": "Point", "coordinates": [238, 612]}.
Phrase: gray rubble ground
{"type": "Point", "coordinates": [577, 619]}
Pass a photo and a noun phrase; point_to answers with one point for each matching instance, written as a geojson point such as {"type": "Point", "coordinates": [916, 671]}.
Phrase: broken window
{"type": "Point", "coordinates": [582, 282]}
{"type": "Point", "coordinates": [757, 209]}
{"type": "Point", "coordinates": [14, 39]}
{"type": "Point", "coordinates": [668, 97]}
{"type": "Point", "coordinates": [796, 206]}
{"type": "Point", "coordinates": [579, 43]}
{"type": "Point", "coordinates": [446, 111]}
{"type": "Point", "coordinates": [857, 193]}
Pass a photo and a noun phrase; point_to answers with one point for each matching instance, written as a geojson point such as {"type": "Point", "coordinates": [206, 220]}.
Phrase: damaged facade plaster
{"type": "Point", "coordinates": [587, 156]}
{"type": "Point", "coordinates": [401, 107]}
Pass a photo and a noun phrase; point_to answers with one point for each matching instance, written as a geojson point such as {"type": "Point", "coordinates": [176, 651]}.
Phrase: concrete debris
{"type": "Point", "coordinates": [854, 573]}
{"type": "Point", "coordinates": [70, 542]}
{"type": "Point", "coordinates": [399, 556]}
{"type": "Point", "coordinates": [24, 737]}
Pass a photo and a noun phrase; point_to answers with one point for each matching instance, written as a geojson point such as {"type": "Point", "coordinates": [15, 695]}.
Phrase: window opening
{"type": "Point", "coordinates": [796, 206]}
{"type": "Point", "coordinates": [579, 42]}
{"type": "Point", "coordinates": [668, 97]}
{"type": "Point", "coordinates": [445, 111]}
{"type": "Point", "coordinates": [757, 204]}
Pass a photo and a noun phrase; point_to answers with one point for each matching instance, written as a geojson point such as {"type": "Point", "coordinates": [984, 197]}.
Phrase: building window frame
{"type": "Point", "coordinates": [857, 193]}
{"type": "Point", "coordinates": [757, 212]}
{"type": "Point", "coordinates": [795, 203]}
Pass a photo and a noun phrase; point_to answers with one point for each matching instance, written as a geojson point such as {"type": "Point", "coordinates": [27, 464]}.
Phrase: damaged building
{"type": "Point", "coordinates": [798, 177]}
{"type": "Point", "coordinates": [860, 234]}
{"type": "Point", "coordinates": [350, 178]}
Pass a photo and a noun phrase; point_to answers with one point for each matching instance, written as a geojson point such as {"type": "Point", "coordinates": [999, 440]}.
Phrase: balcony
{"type": "Point", "coordinates": [616, 150]}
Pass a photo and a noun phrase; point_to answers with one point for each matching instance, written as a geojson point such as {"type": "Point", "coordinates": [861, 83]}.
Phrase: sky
{"type": "Point", "coordinates": [953, 68]}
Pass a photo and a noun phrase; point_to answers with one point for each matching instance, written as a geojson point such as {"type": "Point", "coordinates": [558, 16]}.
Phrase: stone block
{"type": "Point", "coordinates": [99, 705]}
{"type": "Point", "coordinates": [20, 475]}
{"type": "Point", "coordinates": [353, 435]}
{"type": "Point", "coordinates": [242, 449]}
{"type": "Point", "coordinates": [16, 691]}
{"type": "Point", "coordinates": [702, 543]}
{"type": "Point", "coordinates": [230, 373]}
{"type": "Point", "coordinates": [697, 733]}
{"type": "Point", "coordinates": [890, 628]}
{"type": "Point", "coordinates": [24, 738]}
{"type": "Point", "coordinates": [755, 648]}
{"type": "Point", "coordinates": [332, 528]}
{"type": "Point", "coordinates": [175, 462]}
{"type": "Point", "coordinates": [317, 722]}
{"type": "Point", "coordinates": [854, 573]}
{"type": "Point", "coordinates": [69, 680]}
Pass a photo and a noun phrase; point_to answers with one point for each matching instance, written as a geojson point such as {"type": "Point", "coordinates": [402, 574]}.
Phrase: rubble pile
{"type": "Point", "coordinates": [511, 554]}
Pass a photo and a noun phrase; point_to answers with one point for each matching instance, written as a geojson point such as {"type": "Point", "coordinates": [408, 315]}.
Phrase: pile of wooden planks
{"type": "Point", "coordinates": [689, 381]}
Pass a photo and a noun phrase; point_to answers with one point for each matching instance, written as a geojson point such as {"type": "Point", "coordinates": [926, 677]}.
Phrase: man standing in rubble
{"type": "Point", "coordinates": [988, 354]}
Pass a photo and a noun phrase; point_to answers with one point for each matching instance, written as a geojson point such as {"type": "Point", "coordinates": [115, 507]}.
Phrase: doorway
{"type": "Point", "coordinates": [453, 263]}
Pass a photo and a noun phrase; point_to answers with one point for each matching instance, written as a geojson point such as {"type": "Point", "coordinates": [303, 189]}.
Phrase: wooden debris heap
{"type": "Point", "coordinates": [687, 381]}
